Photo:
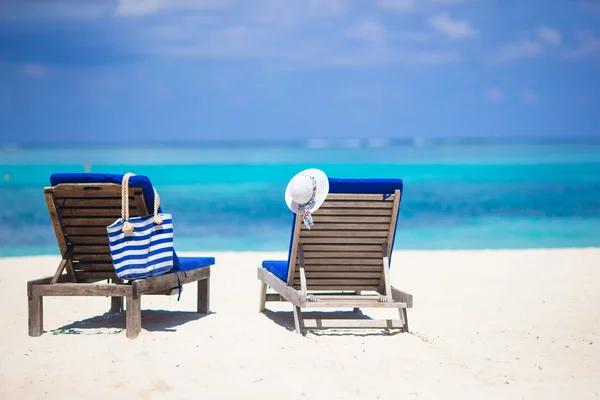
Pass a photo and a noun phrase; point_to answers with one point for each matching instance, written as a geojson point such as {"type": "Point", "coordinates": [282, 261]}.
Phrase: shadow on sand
{"type": "Point", "coordinates": [114, 323]}
{"type": "Point", "coordinates": [286, 320]}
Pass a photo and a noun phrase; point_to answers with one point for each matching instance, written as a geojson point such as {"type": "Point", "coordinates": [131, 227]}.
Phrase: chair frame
{"type": "Point", "coordinates": [346, 225]}
{"type": "Point", "coordinates": [83, 244]}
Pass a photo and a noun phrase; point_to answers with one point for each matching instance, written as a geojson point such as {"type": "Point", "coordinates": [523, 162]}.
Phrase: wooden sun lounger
{"type": "Point", "coordinates": [80, 214]}
{"type": "Point", "coordinates": [346, 251]}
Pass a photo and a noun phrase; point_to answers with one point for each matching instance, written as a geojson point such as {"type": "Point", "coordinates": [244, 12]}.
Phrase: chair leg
{"type": "Point", "coordinates": [356, 309]}
{"type": "Point", "coordinates": [36, 316]}
{"type": "Point", "coordinates": [404, 319]}
{"type": "Point", "coordinates": [133, 316]}
{"type": "Point", "coordinates": [263, 296]}
{"type": "Point", "coordinates": [204, 296]}
{"type": "Point", "coordinates": [298, 321]}
{"type": "Point", "coordinates": [116, 304]}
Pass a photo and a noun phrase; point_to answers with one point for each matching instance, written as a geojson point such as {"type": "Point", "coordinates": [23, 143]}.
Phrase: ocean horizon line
{"type": "Point", "coordinates": [342, 143]}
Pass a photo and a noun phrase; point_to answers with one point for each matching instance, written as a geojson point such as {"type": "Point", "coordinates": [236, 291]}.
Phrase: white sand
{"type": "Point", "coordinates": [486, 324]}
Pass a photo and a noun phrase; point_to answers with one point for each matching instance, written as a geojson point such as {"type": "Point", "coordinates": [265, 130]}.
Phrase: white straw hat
{"type": "Point", "coordinates": [306, 192]}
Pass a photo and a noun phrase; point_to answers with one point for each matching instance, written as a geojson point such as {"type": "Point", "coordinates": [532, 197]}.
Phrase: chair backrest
{"type": "Point", "coordinates": [345, 248]}
{"type": "Point", "coordinates": [80, 213]}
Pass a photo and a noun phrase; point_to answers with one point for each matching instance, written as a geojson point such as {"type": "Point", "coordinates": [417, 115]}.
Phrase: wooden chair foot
{"type": "Point", "coordinates": [204, 296]}
{"type": "Point", "coordinates": [404, 318]}
{"type": "Point", "coordinates": [116, 304]}
{"type": "Point", "coordinates": [133, 316]}
{"type": "Point", "coordinates": [36, 316]}
{"type": "Point", "coordinates": [298, 320]}
{"type": "Point", "coordinates": [263, 296]}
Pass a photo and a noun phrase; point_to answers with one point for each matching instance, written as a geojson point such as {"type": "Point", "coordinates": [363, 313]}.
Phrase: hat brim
{"type": "Point", "coordinates": [320, 196]}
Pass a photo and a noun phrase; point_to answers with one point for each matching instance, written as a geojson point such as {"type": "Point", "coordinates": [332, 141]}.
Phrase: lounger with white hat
{"type": "Point", "coordinates": [340, 252]}
{"type": "Point", "coordinates": [81, 206]}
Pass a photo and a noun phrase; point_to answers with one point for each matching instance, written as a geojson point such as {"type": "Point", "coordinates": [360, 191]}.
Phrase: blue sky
{"type": "Point", "coordinates": [187, 70]}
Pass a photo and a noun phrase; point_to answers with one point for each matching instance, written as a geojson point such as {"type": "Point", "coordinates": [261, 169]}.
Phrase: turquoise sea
{"type": "Point", "coordinates": [230, 197]}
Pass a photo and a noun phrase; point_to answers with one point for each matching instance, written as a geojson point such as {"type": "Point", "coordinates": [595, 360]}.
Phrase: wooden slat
{"type": "Point", "coordinates": [89, 202]}
{"type": "Point", "coordinates": [104, 257]}
{"type": "Point", "coordinates": [330, 226]}
{"type": "Point", "coordinates": [399, 295]}
{"type": "Point", "coordinates": [341, 254]}
{"type": "Point", "coordinates": [295, 242]}
{"type": "Point", "coordinates": [354, 212]}
{"type": "Point", "coordinates": [341, 261]}
{"type": "Point", "coordinates": [338, 268]}
{"type": "Point", "coordinates": [82, 249]}
{"type": "Point", "coordinates": [393, 222]}
{"type": "Point", "coordinates": [86, 230]}
{"type": "Point", "coordinates": [289, 293]}
{"type": "Point", "coordinates": [342, 234]}
{"type": "Point", "coordinates": [92, 190]}
{"type": "Point", "coordinates": [342, 247]}
{"type": "Point", "coordinates": [352, 323]}
{"type": "Point", "coordinates": [81, 289]}
{"type": "Point", "coordinates": [95, 275]}
{"type": "Point", "coordinates": [340, 219]}
{"type": "Point", "coordinates": [94, 266]}
{"type": "Point", "coordinates": [340, 281]}
{"type": "Point", "coordinates": [314, 287]}
{"type": "Point", "coordinates": [358, 204]}
{"type": "Point", "coordinates": [79, 240]}
{"type": "Point", "coordinates": [341, 274]}
{"type": "Point", "coordinates": [67, 221]}
{"type": "Point", "coordinates": [274, 297]}
{"type": "Point", "coordinates": [58, 232]}
{"type": "Point", "coordinates": [343, 240]}
{"type": "Point", "coordinates": [106, 212]}
{"type": "Point", "coordinates": [169, 281]}
{"type": "Point", "coordinates": [140, 206]}
{"type": "Point", "coordinates": [353, 303]}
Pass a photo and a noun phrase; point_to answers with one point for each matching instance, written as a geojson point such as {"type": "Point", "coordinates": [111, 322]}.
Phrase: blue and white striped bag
{"type": "Point", "coordinates": [141, 247]}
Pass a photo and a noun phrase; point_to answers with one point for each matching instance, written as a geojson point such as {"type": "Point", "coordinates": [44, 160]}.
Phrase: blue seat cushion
{"type": "Point", "coordinates": [191, 263]}
{"type": "Point", "coordinates": [138, 181]}
{"type": "Point", "coordinates": [277, 268]}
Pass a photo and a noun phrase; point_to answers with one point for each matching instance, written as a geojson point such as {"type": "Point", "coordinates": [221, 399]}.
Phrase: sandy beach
{"type": "Point", "coordinates": [485, 324]}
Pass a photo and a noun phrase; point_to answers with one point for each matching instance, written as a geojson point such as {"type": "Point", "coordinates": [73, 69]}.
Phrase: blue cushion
{"type": "Point", "coordinates": [139, 181]}
{"type": "Point", "coordinates": [342, 185]}
{"type": "Point", "coordinates": [277, 268]}
{"type": "Point", "coordinates": [365, 186]}
{"type": "Point", "coordinates": [190, 263]}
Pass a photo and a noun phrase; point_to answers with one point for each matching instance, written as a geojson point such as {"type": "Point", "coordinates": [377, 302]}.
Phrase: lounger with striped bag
{"type": "Point", "coordinates": [141, 247]}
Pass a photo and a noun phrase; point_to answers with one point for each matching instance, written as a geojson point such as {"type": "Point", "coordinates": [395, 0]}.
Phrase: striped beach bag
{"type": "Point", "coordinates": [140, 247]}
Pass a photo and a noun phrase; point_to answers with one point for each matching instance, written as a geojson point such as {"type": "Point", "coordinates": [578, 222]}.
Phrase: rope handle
{"type": "Point", "coordinates": [127, 226]}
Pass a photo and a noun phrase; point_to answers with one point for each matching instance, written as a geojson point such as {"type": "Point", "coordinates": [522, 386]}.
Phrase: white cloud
{"type": "Point", "coordinates": [280, 33]}
{"type": "Point", "coordinates": [396, 5]}
{"type": "Point", "coordinates": [34, 71]}
{"type": "Point", "coordinates": [288, 34]}
{"type": "Point", "coordinates": [145, 7]}
{"type": "Point", "coordinates": [549, 35]}
{"type": "Point", "coordinates": [516, 51]}
{"type": "Point", "coordinates": [588, 45]}
{"type": "Point", "coordinates": [494, 95]}
{"type": "Point", "coordinates": [529, 96]}
{"type": "Point", "coordinates": [453, 29]}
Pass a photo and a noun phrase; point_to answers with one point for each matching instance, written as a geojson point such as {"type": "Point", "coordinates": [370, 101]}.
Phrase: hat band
{"type": "Point", "coordinates": [305, 208]}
